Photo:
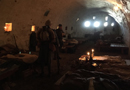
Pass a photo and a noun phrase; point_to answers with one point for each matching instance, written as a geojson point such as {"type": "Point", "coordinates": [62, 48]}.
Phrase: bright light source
{"type": "Point", "coordinates": [96, 24]}
{"type": "Point", "coordinates": [92, 50]}
{"type": "Point", "coordinates": [112, 24]}
{"type": "Point", "coordinates": [8, 27]}
{"type": "Point", "coordinates": [105, 24]}
{"type": "Point", "coordinates": [94, 17]}
{"type": "Point", "coordinates": [88, 53]}
{"type": "Point", "coordinates": [33, 28]}
{"type": "Point", "coordinates": [116, 8]}
{"type": "Point", "coordinates": [106, 18]}
{"type": "Point", "coordinates": [87, 24]}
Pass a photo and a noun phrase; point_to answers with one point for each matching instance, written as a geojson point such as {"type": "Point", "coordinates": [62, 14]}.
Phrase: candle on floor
{"type": "Point", "coordinates": [92, 50]}
{"type": "Point", "coordinates": [94, 64]}
{"type": "Point", "coordinates": [88, 53]}
{"type": "Point", "coordinates": [92, 53]}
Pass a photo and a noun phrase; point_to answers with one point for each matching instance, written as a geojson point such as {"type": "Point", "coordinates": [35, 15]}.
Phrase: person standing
{"type": "Point", "coordinates": [56, 53]}
{"type": "Point", "coordinates": [60, 33]}
{"type": "Point", "coordinates": [45, 38]}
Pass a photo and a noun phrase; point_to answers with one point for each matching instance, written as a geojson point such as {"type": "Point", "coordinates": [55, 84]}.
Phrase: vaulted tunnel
{"type": "Point", "coordinates": [25, 13]}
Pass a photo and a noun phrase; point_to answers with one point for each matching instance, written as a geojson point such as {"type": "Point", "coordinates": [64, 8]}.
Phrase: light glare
{"type": "Point", "coordinates": [88, 53]}
{"type": "Point", "coordinates": [105, 24]}
{"type": "Point", "coordinates": [94, 17]}
{"type": "Point", "coordinates": [87, 24]}
{"type": "Point", "coordinates": [106, 18]}
{"type": "Point", "coordinates": [116, 8]}
{"type": "Point", "coordinates": [112, 24]}
{"type": "Point", "coordinates": [96, 24]}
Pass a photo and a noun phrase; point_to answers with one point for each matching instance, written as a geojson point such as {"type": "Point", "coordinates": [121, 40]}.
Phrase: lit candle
{"type": "Point", "coordinates": [94, 64]}
{"type": "Point", "coordinates": [92, 50]}
{"type": "Point", "coordinates": [88, 53]}
{"type": "Point", "coordinates": [88, 57]}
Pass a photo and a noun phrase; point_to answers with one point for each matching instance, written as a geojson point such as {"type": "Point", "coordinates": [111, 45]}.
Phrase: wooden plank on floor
{"type": "Point", "coordinates": [91, 86]}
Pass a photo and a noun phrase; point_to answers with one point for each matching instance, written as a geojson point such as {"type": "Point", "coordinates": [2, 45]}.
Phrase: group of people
{"type": "Point", "coordinates": [49, 42]}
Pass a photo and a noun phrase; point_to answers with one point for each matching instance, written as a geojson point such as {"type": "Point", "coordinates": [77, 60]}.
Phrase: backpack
{"type": "Point", "coordinates": [44, 34]}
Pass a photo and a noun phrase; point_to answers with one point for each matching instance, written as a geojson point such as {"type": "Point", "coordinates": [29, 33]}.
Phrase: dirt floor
{"type": "Point", "coordinates": [34, 82]}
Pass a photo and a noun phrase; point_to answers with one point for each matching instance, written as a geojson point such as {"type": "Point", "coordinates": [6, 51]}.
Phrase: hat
{"type": "Point", "coordinates": [48, 23]}
{"type": "Point", "coordinates": [60, 25]}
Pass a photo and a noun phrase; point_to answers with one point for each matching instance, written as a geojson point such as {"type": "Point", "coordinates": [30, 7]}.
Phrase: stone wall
{"type": "Point", "coordinates": [25, 13]}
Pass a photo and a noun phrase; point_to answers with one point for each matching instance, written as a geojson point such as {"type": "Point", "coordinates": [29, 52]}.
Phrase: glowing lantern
{"type": "Point", "coordinates": [8, 27]}
{"type": "Point", "coordinates": [33, 28]}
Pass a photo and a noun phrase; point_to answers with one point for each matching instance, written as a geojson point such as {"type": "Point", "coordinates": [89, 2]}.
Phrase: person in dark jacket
{"type": "Point", "coordinates": [60, 32]}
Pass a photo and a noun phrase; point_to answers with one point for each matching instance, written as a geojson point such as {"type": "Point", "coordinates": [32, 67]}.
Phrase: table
{"type": "Point", "coordinates": [121, 47]}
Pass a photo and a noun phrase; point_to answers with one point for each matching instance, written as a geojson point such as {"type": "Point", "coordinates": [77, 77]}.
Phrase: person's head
{"type": "Point", "coordinates": [48, 23]}
{"type": "Point", "coordinates": [60, 26]}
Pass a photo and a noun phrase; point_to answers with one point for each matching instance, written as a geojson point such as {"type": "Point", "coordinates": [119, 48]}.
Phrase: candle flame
{"type": "Point", "coordinates": [88, 53]}
{"type": "Point", "coordinates": [5, 27]}
{"type": "Point", "coordinates": [92, 50]}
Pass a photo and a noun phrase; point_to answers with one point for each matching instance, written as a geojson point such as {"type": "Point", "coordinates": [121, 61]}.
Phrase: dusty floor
{"type": "Point", "coordinates": [36, 83]}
